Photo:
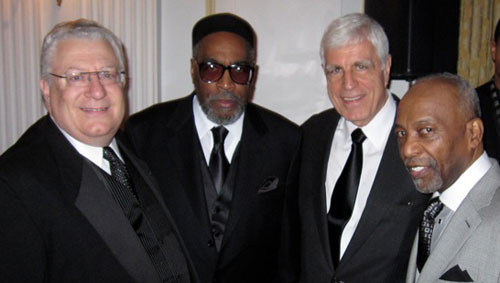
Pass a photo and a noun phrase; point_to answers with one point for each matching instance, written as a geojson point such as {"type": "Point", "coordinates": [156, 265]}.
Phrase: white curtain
{"type": "Point", "coordinates": [25, 23]}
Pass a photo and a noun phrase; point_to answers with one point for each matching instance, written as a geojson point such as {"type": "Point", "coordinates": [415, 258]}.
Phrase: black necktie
{"type": "Point", "coordinates": [119, 172]}
{"type": "Point", "coordinates": [124, 194]}
{"type": "Point", "coordinates": [344, 194]}
{"type": "Point", "coordinates": [218, 164]}
{"type": "Point", "coordinates": [425, 231]}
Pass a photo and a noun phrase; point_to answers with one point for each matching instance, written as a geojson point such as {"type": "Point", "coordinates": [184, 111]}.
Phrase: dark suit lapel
{"type": "Point", "coordinates": [321, 153]}
{"type": "Point", "coordinates": [106, 216]}
{"type": "Point", "coordinates": [83, 188]}
{"type": "Point", "coordinates": [67, 160]}
{"type": "Point", "coordinates": [251, 162]}
{"type": "Point", "coordinates": [183, 146]}
{"type": "Point", "coordinates": [389, 176]}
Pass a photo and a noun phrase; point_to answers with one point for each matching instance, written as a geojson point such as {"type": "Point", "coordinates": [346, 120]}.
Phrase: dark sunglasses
{"type": "Point", "coordinates": [240, 73]}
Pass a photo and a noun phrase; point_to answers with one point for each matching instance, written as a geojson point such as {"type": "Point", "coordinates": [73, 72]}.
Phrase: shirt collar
{"type": "Point", "coordinates": [92, 153]}
{"type": "Point", "coordinates": [379, 128]}
{"type": "Point", "coordinates": [204, 125]}
{"type": "Point", "coordinates": [456, 193]}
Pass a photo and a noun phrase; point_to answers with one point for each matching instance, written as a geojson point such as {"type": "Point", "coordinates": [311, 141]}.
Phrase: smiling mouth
{"type": "Point", "coordinates": [416, 168]}
{"type": "Point", "coordinates": [349, 99]}
{"type": "Point", "coordinates": [101, 109]}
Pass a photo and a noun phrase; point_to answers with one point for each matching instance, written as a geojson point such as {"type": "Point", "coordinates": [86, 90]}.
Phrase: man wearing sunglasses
{"type": "Point", "coordinates": [223, 163]}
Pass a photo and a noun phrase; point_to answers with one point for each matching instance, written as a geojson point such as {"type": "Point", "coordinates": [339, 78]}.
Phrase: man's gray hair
{"type": "Point", "coordinates": [468, 100]}
{"type": "Point", "coordinates": [354, 28]}
{"type": "Point", "coordinates": [82, 29]}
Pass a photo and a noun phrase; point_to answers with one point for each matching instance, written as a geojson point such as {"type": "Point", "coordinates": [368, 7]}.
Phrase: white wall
{"type": "Point", "coordinates": [290, 79]}
{"type": "Point", "coordinates": [157, 36]}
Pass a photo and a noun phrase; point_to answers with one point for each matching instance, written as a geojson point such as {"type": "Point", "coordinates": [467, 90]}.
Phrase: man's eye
{"type": "Point", "coordinates": [401, 133]}
{"type": "Point", "coordinates": [361, 67]}
{"type": "Point", "coordinates": [75, 77]}
{"type": "Point", "coordinates": [333, 71]}
{"type": "Point", "coordinates": [106, 75]}
{"type": "Point", "coordinates": [239, 68]}
{"type": "Point", "coordinates": [426, 130]}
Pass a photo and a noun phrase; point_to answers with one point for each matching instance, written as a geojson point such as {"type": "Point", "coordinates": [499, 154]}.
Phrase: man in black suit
{"type": "Point", "coordinates": [227, 192]}
{"type": "Point", "coordinates": [359, 229]}
{"type": "Point", "coordinates": [489, 99]}
{"type": "Point", "coordinates": [77, 205]}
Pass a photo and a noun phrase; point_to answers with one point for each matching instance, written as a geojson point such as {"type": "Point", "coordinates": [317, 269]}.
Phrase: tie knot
{"type": "Point", "coordinates": [358, 136]}
{"type": "Point", "coordinates": [433, 208]}
{"type": "Point", "coordinates": [219, 134]}
{"type": "Point", "coordinates": [109, 154]}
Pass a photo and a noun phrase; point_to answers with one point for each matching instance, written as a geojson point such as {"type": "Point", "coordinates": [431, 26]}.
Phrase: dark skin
{"type": "Point", "coordinates": [224, 48]}
{"type": "Point", "coordinates": [437, 141]}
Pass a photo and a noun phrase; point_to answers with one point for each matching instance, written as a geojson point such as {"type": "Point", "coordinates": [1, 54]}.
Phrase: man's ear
{"type": "Point", "coordinates": [475, 130]}
{"type": "Point", "coordinates": [194, 69]}
{"type": "Point", "coordinates": [255, 74]}
{"type": "Point", "coordinates": [387, 69]}
{"type": "Point", "coordinates": [45, 88]}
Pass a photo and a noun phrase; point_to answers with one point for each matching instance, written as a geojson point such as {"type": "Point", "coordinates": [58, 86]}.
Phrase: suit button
{"type": "Point", "coordinates": [210, 244]}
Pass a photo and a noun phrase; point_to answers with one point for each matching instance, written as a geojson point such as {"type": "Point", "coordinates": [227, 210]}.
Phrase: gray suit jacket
{"type": "Point", "coordinates": [471, 241]}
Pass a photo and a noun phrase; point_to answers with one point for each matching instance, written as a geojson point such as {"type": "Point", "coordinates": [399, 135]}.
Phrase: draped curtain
{"type": "Point", "coordinates": [477, 24]}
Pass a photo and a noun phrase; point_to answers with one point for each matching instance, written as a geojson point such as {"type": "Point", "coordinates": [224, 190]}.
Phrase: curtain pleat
{"type": "Point", "coordinates": [477, 24]}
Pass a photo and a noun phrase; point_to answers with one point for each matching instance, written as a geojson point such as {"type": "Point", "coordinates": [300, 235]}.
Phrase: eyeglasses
{"type": "Point", "coordinates": [212, 72]}
{"type": "Point", "coordinates": [80, 79]}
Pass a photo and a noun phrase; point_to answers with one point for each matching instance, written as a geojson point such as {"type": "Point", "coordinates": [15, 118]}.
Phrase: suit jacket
{"type": "Point", "coordinates": [165, 137]}
{"type": "Point", "coordinates": [491, 136]}
{"type": "Point", "coordinates": [59, 223]}
{"type": "Point", "coordinates": [468, 249]}
{"type": "Point", "coordinates": [381, 244]}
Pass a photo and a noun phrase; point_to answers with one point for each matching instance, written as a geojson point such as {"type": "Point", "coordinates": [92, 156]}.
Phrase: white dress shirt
{"type": "Point", "coordinates": [377, 132]}
{"type": "Point", "coordinates": [93, 153]}
{"type": "Point", "coordinates": [204, 127]}
{"type": "Point", "coordinates": [456, 193]}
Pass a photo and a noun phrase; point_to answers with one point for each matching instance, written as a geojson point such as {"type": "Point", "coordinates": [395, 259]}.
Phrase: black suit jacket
{"type": "Point", "coordinates": [59, 223]}
{"type": "Point", "coordinates": [165, 137]}
{"type": "Point", "coordinates": [381, 245]}
{"type": "Point", "coordinates": [491, 136]}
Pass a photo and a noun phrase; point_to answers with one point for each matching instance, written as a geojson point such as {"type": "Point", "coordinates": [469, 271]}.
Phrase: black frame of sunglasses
{"type": "Point", "coordinates": [227, 67]}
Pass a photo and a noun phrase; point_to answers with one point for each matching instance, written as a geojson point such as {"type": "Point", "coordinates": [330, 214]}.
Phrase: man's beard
{"type": "Point", "coordinates": [436, 181]}
{"type": "Point", "coordinates": [226, 118]}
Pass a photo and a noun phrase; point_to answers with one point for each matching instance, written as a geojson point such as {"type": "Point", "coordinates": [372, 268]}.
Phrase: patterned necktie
{"type": "Point", "coordinates": [118, 170]}
{"type": "Point", "coordinates": [218, 164]}
{"type": "Point", "coordinates": [344, 194]}
{"type": "Point", "coordinates": [425, 232]}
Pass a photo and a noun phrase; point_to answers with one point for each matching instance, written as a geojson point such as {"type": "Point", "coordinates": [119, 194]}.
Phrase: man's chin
{"type": "Point", "coordinates": [426, 188]}
{"type": "Point", "coordinates": [225, 118]}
